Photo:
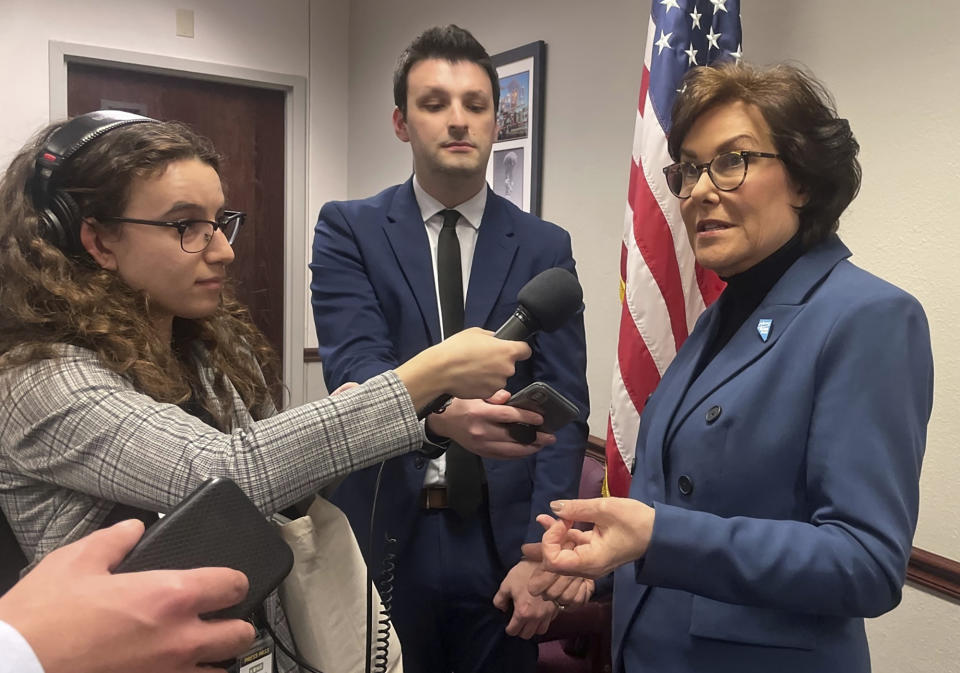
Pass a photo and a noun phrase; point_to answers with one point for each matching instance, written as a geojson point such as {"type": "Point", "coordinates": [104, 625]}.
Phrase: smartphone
{"type": "Point", "coordinates": [216, 525]}
{"type": "Point", "coordinates": [556, 409]}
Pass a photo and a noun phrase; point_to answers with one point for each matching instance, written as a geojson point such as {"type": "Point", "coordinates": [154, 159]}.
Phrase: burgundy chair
{"type": "Point", "coordinates": [578, 640]}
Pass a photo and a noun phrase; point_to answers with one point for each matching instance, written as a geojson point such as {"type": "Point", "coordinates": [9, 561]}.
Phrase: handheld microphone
{"type": "Point", "coordinates": [547, 301]}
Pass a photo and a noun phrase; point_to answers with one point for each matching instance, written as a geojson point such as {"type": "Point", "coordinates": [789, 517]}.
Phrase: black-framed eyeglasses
{"type": "Point", "coordinates": [727, 171]}
{"type": "Point", "coordinates": [195, 235]}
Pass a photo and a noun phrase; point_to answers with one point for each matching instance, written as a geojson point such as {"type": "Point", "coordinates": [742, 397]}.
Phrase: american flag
{"type": "Point", "coordinates": [662, 289]}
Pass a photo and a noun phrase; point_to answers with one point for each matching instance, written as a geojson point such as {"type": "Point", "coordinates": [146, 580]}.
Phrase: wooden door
{"type": "Point", "coordinates": [246, 124]}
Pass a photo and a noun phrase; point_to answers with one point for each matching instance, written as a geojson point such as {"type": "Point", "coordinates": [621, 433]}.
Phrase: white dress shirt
{"type": "Point", "coordinates": [17, 655]}
{"type": "Point", "coordinates": [468, 226]}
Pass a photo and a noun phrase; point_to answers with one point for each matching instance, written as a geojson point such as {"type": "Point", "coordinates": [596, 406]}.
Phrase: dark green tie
{"type": "Point", "coordinates": [464, 469]}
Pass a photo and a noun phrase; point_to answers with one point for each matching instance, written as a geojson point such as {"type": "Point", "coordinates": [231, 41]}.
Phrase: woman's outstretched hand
{"type": "Point", "coordinates": [621, 533]}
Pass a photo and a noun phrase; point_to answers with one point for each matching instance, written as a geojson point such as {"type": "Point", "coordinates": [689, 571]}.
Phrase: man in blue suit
{"type": "Point", "coordinates": [458, 585]}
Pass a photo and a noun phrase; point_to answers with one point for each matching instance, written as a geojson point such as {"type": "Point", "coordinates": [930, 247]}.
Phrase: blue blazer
{"type": "Point", "coordinates": [785, 480]}
{"type": "Point", "coordinates": [375, 306]}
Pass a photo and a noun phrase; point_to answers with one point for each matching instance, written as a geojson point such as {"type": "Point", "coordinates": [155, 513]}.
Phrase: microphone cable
{"type": "Point", "coordinates": [262, 618]}
{"type": "Point", "coordinates": [383, 624]}
{"type": "Point", "coordinates": [386, 591]}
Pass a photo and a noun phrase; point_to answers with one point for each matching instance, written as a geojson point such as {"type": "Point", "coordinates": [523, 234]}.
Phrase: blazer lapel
{"type": "Point", "coordinates": [408, 237]}
{"type": "Point", "coordinates": [671, 389]}
{"type": "Point", "coordinates": [492, 259]}
{"type": "Point", "coordinates": [743, 349]}
{"type": "Point", "coordinates": [781, 305]}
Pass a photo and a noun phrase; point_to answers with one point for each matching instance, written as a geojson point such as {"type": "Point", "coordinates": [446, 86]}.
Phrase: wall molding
{"type": "Point", "coordinates": [939, 574]}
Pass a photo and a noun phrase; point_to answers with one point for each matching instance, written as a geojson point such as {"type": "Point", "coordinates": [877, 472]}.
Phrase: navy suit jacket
{"type": "Point", "coordinates": [785, 480]}
{"type": "Point", "coordinates": [375, 307]}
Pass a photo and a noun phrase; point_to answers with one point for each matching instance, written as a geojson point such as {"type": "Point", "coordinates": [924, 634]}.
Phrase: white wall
{"type": "Point", "coordinates": [246, 33]}
{"type": "Point", "coordinates": [329, 93]}
{"type": "Point", "coordinates": [892, 69]}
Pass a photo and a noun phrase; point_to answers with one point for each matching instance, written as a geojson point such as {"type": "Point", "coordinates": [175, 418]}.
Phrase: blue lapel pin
{"type": "Point", "coordinates": [763, 328]}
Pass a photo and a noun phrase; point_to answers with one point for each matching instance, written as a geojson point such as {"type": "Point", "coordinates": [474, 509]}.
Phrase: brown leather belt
{"type": "Point", "coordinates": [434, 497]}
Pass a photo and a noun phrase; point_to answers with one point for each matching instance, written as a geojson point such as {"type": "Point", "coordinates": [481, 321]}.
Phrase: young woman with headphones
{"type": "Point", "coordinates": [129, 374]}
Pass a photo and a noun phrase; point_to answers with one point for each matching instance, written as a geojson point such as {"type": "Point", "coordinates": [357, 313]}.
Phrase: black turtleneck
{"type": "Point", "coordinates": [745, 291]}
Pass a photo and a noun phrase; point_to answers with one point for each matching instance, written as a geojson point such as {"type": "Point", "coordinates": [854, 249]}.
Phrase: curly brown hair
{"type": "Point", "coordinates": [49, 298]}
{"type": "Point", "coordinates": [817, 146]}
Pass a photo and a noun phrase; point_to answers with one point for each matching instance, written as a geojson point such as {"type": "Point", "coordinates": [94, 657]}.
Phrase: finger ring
{"type": "Point", "coordinates": [560, 605]}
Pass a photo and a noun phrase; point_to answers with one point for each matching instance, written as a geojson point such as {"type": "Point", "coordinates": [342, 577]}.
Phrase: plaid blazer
{"type": "Point", "coordinates": [75, 438]}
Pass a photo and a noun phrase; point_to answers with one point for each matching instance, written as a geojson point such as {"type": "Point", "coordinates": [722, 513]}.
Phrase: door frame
{"type": "Point", "coordinates": [295, 166]}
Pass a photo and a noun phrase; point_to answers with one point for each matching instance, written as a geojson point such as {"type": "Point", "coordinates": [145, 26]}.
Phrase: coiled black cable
{"type": "Point", "coordinates": [385, 585]}
{"type": "Point", "coordinates": [386, 594]}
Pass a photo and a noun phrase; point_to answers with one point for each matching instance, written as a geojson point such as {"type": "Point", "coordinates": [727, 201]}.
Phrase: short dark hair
{"type": "Point", "coordinates": [818, 148]}
{"type": "Point", "coordinates": [451, 43]}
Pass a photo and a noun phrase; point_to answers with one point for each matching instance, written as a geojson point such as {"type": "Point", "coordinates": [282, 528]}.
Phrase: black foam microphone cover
{"type": "Point", "coordinates": [547, 301]}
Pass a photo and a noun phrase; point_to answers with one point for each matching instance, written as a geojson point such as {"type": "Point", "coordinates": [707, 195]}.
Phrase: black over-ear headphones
{"type": "Point", "coordinates": [58, 211]}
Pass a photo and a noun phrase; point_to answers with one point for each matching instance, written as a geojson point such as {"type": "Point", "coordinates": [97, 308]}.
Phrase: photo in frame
{"type": "Point", "coordinates": [515, 168]}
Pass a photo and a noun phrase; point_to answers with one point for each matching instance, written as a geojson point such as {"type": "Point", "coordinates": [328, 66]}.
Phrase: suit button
{"type": "Point", "coordinates": [685, 484]}
{"type": "Point", "coordinates": [713, 413]}
{"type": "Point", "coordinates": [419, 462]}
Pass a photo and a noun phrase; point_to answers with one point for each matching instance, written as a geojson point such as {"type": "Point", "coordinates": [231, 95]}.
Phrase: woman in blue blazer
{"type": "Point", "coordinates": [776, 484]}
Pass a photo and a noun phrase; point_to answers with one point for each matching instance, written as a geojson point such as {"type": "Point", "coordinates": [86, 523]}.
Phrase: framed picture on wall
{"type": "Point", "coordinates": [515, 169]}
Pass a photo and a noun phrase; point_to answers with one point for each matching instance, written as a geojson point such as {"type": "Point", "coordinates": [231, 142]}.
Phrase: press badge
{"type": "Point", "coordinates": [259, 658]}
